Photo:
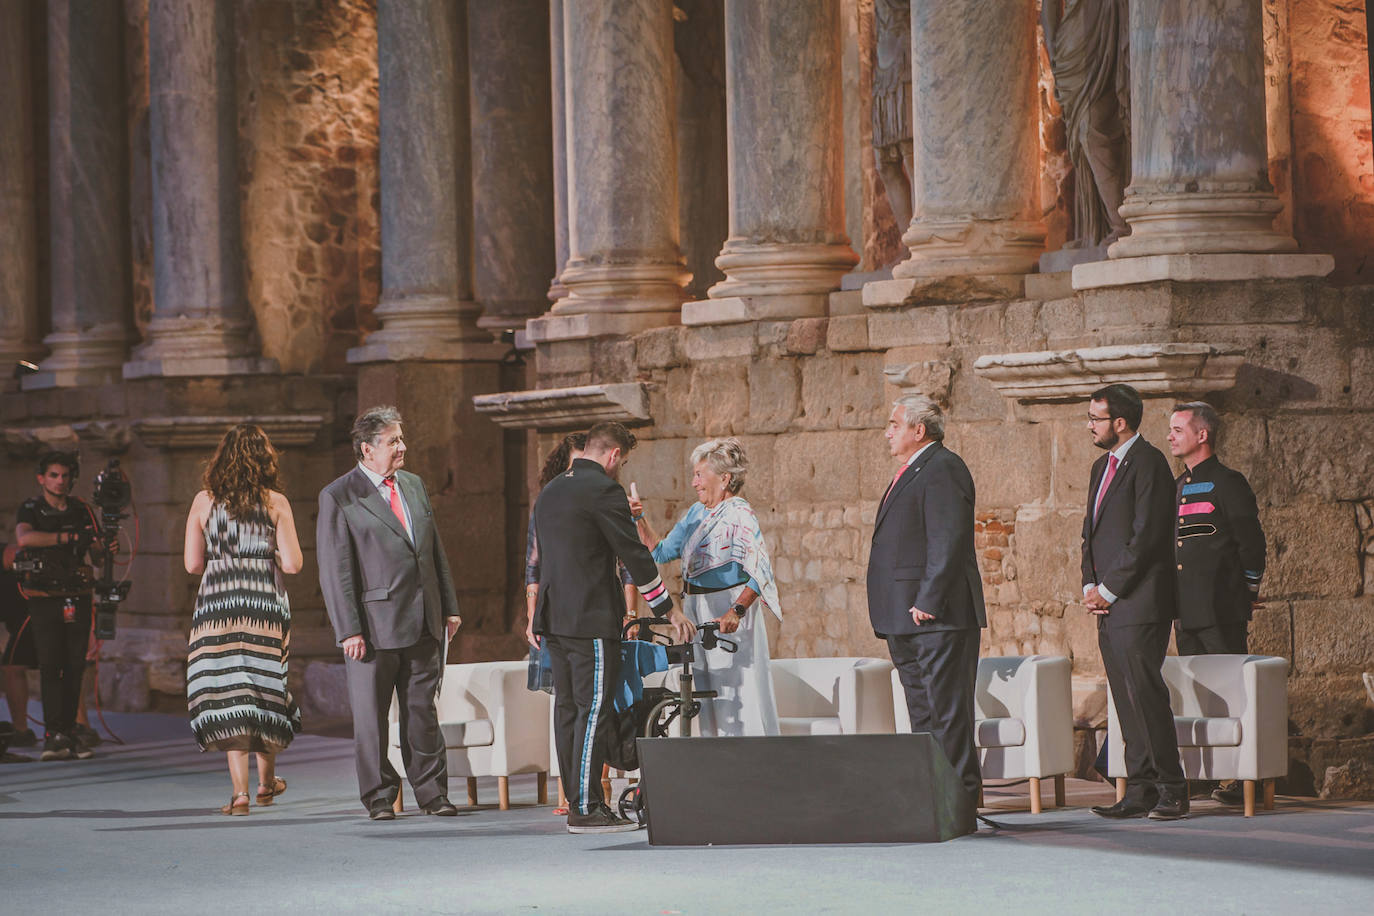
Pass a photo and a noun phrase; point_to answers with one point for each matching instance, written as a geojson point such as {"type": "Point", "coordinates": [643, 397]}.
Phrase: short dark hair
{"type": "Point", "coordinates": [371, 424]}
{"type": "Point", "coordinates": [608, 435]}
{"type": "Point", "coordinates": [68, 460]}
{"type": "Point", "coordinates": [1123, 402]}
{"type": "Point", "coordinates": [1205, 416]}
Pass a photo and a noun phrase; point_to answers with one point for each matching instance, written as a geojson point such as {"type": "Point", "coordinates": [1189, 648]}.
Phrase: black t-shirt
{"type": "Point", "coordinates": [76, 517]}
{"type": "Point", "coordinates": [13, 607]}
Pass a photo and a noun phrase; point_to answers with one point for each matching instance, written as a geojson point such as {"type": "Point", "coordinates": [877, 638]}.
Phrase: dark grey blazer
{"type": "Point", "coordinates": [1129, 546]}
{"type": "Point", "coordinates": [375, 581]}
{"type": "Point", "coordinates": [923, 554]}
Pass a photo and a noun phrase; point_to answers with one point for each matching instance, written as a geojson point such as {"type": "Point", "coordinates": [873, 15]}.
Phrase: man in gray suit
{"type": "Point", "coordinates": [390, 596]}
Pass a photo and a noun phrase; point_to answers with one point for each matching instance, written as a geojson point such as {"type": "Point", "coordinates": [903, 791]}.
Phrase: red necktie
{"type": "Point", "coordinates": [895, 477]}
{"type": "Point", "coordinates": [396, 503]}
{"type": "Point", "coordinates": [1106, 482]}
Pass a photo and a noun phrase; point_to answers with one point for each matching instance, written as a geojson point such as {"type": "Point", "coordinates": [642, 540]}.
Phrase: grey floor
{"type": "Point", "coordinates": [137, 830]}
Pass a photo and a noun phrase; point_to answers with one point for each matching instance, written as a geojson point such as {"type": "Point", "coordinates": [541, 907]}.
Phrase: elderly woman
{"type": "Point", "coordinates": [726, 573]}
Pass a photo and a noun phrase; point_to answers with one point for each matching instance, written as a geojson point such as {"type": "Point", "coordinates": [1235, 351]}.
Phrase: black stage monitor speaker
{"type": "Point", "coordinates": [811, 789]}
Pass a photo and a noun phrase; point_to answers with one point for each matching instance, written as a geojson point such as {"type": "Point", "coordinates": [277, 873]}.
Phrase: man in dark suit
{"type": "Point", "coordinates": [1128, 583]}
{"type": "Point", "coordinates": [582, 523]}
{"type": "Point", "coordinates": [390, 596]}
{"type": "Point", "coordinates": [925, 594]}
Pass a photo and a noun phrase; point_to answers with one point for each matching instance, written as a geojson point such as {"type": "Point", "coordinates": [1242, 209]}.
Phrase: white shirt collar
{"type": "Point", "coordinates": [1121, 450]}
{"type": "Point", "coordinates": [371, 474]}
{"type": "Point", "coordinates": [917, 454]}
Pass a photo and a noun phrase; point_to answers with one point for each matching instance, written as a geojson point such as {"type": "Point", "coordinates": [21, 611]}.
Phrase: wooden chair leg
{"type": "Point", "coordinates": [980, 797]}
{"type": "Point", "coordinates": [503, 792]}
{"type": "Point", "coordinates": [542, 781]}
{"type": "Point", "coordinates": [1059, 800]}
{"type": "Point", "coordinates": [1249, 791]}
{"type": "Point", "coordinates": [472, 791]}
{"type": "Point", "coordinates": [1120, 788]}
{"type": "Point", "coordinates": [1036, 806]}
{"type": "Point", "coordinates": [1269, 795]}
{"type": "Point", "coordinates": [399, 804]}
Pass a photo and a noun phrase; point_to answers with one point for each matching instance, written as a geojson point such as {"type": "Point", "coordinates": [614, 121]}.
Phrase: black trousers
{"type": "Point", "coordinates": [1223, 639]}
{"type": "Point", "coordinates": [938, 671]}
{"type": "Point", "coordinates": [584, 676]}
{"type": "Point", "coordinates": [61, 650]}
{"type": "Point", "coordinates": [413, 673]}
{"type": "Point", "coordinates": [1133, 657]}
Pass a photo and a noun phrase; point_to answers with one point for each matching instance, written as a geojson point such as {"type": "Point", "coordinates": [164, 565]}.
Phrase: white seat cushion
{"type": "Point", "coordinates": [1003, 732]}
{"type": "Point", "coordinates": [809, 725]}
{"type": "Point", "coordinates": [472, 733]}
{"type": "Point", "coordinates": [1195, 731]}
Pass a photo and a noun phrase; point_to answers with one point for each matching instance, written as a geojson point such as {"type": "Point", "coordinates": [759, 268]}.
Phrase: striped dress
{"type": "Point", "coordinates": [240, 632]}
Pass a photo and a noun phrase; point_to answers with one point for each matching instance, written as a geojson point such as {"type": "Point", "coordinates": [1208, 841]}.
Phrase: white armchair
{"type": "Point", "coordinates": [1231, 719]}
{"type": "Point", "coordinates": [492, 724]}
{"type": "Point", "coordinates": [1023, 720]}
{"type": "Point", "coordinates": [832, 696]}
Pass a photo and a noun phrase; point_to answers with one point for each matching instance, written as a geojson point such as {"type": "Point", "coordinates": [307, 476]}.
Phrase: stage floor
{"type": "Point", "coordinates": [137, 829]}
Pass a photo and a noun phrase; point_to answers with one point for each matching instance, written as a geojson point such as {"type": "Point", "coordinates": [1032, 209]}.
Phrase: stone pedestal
{"type": "Point", "coordinates": [201, 322]}
{"type": "Point", "coordinates": [19, 328]}
{"type": "Point", "coordinates": [88, 178]}
{"type": "Point", "coordinates": [426, 309]}
{"type": "Point", "coordinates": [1199, 163]}
{"type": "Point", "coordinates": [787, 247]}
{"type": "Point", "coordinates": [977, 153]}
{"type": "Point", "coordinates": [559, 104]}
{"type": "Point", "coordinates": [626, 271]}
{"type": "Point", "coordinates": [512, 154]}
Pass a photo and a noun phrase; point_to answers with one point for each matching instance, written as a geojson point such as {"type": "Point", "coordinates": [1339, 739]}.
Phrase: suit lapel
{"type": "Point", "coordinates": [415, 501]}
{"type": "Point", "coordinates": [370, 498]}
{"type": "Point", "coordinates": [903, 482]}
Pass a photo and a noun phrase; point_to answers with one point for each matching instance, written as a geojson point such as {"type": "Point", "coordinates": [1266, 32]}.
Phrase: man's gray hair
{"type": "Point", "coordinates": [917, 408]}
{"type": "Point", "coordinates": [725, 456]}
{"type": "Point", "coordinates": [1205, 416]}
{"type": "Point", "coordinates": [371, 424]}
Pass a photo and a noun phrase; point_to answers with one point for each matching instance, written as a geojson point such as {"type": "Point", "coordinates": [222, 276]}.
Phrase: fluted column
{"type": "Point", "coordinates": [201, 322]}
{"type": "Point", "coordinates": [19, 326]}
{"type": "Point", "coordinates": [560, 150]}
{"type": "Point", "coordinates": [625, 271]}
{"type": "Point", "coordinates": [512, 160]}
{"type": "Point", "coordinates": [1199, 157]}
{"type": "Point", "coordinates": [977, 153]}
{"type": "Point", "coordinates": [427, 309]}
{"type": "Point", "coordinates": [89, 202]}
{"type": "Point", "coordinates": [787, 247]}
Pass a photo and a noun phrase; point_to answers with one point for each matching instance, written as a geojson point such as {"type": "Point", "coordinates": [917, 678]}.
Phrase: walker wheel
{"type": "Point", "coordinates": [632, 805]}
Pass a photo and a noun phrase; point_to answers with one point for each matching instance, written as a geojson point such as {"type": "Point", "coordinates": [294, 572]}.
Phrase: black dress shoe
{"type": "Point", "coordinates": [440, 806]}
{"type": "Point", "coordinates": [1173, 805]}
{"type": "Point", "coordinates": [380, 810]}
{"type": "Point", "coordinates": [1127, 807]}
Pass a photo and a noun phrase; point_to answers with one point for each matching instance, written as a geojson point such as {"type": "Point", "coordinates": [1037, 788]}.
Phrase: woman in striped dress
{"type": "Point", "coordinates": [241, 535]}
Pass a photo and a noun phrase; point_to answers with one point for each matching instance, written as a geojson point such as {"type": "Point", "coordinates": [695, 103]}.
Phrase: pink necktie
{"type": "Point", "coordinates": [1106, 482]}
{"type": "Point", "coordinates": [396, 503]}
{"type": "Point", "coordinates": [895, 477]}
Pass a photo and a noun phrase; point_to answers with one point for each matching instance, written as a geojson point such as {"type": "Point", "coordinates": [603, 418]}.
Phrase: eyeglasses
{"type": "Point", "coordinates": [1096, 420]}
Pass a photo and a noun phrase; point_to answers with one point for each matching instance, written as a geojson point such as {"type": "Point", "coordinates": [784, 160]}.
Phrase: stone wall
{"type": "Point", "coordinates": [809, 399]}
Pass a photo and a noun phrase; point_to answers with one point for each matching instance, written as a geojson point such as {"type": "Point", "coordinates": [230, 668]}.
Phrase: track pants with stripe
{"type": "Point", "coordinates": [584, 676]}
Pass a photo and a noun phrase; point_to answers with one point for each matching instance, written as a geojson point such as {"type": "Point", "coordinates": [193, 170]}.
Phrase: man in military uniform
{"type": "Point", "coordinates": [1218, 542]}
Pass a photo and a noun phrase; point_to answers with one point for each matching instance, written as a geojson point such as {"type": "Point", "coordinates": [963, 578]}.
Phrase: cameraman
{"type": "Point", "coordinates": [60, 531]}
{"type": "Point", "coordinates": [18, 655]}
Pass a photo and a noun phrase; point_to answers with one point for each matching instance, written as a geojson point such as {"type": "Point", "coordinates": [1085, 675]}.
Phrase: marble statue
{"type": "Point", "coordinates": [1089, 57]}
{"type": "Point", "coordinates": [892, 104]}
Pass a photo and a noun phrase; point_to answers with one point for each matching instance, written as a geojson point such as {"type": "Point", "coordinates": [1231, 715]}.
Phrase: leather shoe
{"type": "Point", "coordinates": [1173, 804]}
{"type": "Point", "coordinates": [440, 806]}
{"type": "Point", "coordinates": [380, 810]}
{"type": "Point", "coordinates": [1130, 806]}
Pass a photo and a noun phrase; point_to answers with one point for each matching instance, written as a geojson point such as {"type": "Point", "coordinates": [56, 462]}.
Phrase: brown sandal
{"type": "Point", "coordinates": [235, 807]}
{"type": "Point", "coordinates": [267, 795]}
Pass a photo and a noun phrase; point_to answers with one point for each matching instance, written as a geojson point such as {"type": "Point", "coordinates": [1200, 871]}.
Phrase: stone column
{"type": "Point", "coordinates": [201, 322]}
{"type": "Point", "coordinates": [787, 246]}
{"type": "Point", "coordinates": [625, 271]}
{"type": "Point", "coordinates": [19, 327]}
{"type": "Point", "coordinates": [559, 101]}
{"type": "Point", "coordinates": [512, 160]}
{"type": "Point", "coordinates": [427, 310]}
{"type": "Point", "coordinates": [1199, 159]}
{"type": "Point", "coordinates": [977, 152]}
{"type": "Point", "coordinates": [89, 201]}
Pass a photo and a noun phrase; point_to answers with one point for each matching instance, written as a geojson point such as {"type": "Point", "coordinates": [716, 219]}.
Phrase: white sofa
{"type": "Point", "coordinates": [1231, 719]}
{"type": "Point", "coordinates": [492, 724]}
{"type": "Point", "coordinates": [832, 696]}
{"type": "Point", "coordinates": [1023, 725]}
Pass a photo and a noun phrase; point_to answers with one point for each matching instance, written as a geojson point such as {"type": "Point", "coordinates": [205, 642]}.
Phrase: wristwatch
{"type": "Point", "coordinates": [740, 610]}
